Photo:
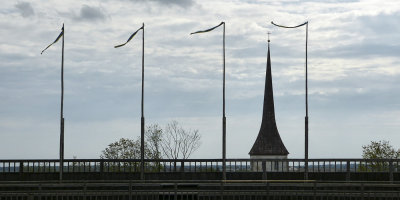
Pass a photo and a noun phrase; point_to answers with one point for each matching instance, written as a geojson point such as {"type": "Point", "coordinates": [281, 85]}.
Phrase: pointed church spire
{"type": "Point", "coordinates": [268, 141]}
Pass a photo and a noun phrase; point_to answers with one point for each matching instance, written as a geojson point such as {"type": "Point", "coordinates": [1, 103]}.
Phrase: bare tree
{"type": "Point", "coordinates": [153, 138]}
{"type": "Point", "coordinates": [178, 143]}
{"type": "Point", "coordinates": [173, 142]}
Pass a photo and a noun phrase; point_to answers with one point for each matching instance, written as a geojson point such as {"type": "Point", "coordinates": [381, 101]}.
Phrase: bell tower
{"type": "Point", "coordinates": [268, 144]}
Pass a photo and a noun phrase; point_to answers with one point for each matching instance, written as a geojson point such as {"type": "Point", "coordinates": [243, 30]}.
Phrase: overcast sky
{"type": "Point", "coordinates": [353, 60]}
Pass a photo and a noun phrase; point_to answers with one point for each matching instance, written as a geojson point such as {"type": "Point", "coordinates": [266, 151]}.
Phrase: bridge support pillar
{"type": "Point", "coordinates": [348, 171]}
{"type": "Point", "coordinates": [264, 169]}
{"type": "Point", "coordinates": [391, 171]}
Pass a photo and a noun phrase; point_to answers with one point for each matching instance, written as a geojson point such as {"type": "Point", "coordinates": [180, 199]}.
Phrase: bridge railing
{"type": "Point", "coordinates": [195, 189]}
{"type": "Point", "coordinates": [199, 165]}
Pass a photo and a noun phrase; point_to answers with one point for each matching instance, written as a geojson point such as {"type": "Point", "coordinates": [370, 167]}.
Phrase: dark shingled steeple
{"type": "Point", "coordinates": [268, 141]}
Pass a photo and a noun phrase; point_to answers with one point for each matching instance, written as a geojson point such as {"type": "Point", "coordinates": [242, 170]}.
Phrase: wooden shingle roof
{"type": "Point", "coordinates": [268, 141]}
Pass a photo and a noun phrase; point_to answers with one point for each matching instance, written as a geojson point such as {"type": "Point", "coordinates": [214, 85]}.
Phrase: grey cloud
{"type": "Point", "coordinates": [260, 50]}
{"type": "Point", "coordinates": [88, 13]}
{"type": "Point", "coordinates": [25, 9]}
{"type": "Point", "coordinates": [360, 50]}
{"type": "Point", "coordinates": [183, 79]}
{"type": "Point", "coordinates": [182, 3]}
{"type": "Point", "coordinates": [383, 24]}
{"type": "Point", "coordinates": [377, 34]}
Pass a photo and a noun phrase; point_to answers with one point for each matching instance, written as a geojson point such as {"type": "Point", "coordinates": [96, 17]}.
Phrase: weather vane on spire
{"type": "Point", "coordinates": [268, 35]}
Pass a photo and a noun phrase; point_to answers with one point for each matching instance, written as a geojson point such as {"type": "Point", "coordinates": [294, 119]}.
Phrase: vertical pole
{"type": "Point", "coordinates": [142, 118]}
{"type": "Point", "coordinates": [223, 118]}
{"type": "Point", "coordinates": [306, 118]}
{"type": "Point", "coordinates": [391, 169]}
{"type": "Point", "coordinates": [62, 109]}
{"type": "Point", "coordinates": [348, 170]}
{"type": "Point", "coordinates": [264, 170]}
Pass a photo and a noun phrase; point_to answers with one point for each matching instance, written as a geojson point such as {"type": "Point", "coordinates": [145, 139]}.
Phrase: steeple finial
{"type": "Point", "coordinates": [268, 36]}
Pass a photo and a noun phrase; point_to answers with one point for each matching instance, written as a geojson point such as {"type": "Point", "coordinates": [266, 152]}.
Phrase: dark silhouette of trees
{"type": "Point", "coordinates": [378, 150]}
{"type": "Point", "coordinates": [174, 142]}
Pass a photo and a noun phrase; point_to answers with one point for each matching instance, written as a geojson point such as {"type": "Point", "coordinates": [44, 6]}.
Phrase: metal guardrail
{"type": "Point", "coordinates": [210, 190]}
{"type": "Point", "coordinates": [200, 165]}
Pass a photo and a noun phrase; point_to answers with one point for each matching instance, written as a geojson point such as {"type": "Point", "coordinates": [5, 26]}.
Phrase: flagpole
{"type": "Point", "coordinates": [306, 87]}
{"type": "Point", "coordinates": [306, 118]}
{"type": "Point", "coordinates": [223, 111]}
{"type": "Point", "coordinates": [142, 118]}
{"type": "Point", "coordinates": [62, 110]}
{"type": "Point", "coordinates": [223, 98]}
{"type": "Point", "coordinates": [61, 161]}
{"type": "Point", "coordinates": [142, 125]}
